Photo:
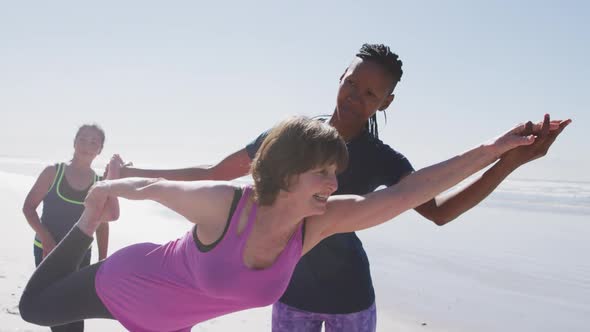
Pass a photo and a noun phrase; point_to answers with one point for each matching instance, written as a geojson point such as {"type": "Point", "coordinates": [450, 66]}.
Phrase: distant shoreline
{"type": "Point", "coordinates": [553, 196]}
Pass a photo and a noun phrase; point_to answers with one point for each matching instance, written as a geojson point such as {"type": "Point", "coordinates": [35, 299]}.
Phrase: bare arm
{"type": "Point", "coordinates": [233, 166]}
{"type": "Point", "coordinates": [349, 213]}
{"type": "Point", "coordinates": [446, 208]}
{"type": "Point", "coordinates": [200, 202]}
{"type": "Point", "coordinates": [32, 201]}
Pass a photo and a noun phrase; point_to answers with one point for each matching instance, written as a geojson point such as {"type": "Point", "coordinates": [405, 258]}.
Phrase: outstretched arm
{"type": "Point", "coordinates": [444, 209]}
{"type": "Point", "coordinates": [233, 166]}
{"type": "Point", "coordinates": [351, 213]}
{"type": "Point", "coordinates": [200, 202]}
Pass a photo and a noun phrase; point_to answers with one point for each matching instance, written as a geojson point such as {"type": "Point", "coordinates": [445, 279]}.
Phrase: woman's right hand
{"type": "Point", "coordinates": [524, 134]}
{"type": "Point", "coordinates": [118, 167]}
{"type": "Point", "coordinates": [114, 167]}
{"type": "Point", "coordinates": [48, 243]}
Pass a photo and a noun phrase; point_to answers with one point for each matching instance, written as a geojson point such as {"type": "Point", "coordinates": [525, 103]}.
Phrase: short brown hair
{"type": "Point", "coordinates": [292, 147]}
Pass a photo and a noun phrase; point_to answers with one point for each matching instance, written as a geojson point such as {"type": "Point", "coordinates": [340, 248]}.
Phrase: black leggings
{"type": "Point", "coordinates": [59, 292]}
{"type": "Point", "coordinates": [71, 327]}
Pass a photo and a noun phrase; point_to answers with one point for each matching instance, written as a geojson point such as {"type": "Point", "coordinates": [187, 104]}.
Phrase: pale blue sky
{"type": "Point", "coordinates": [181, 82]}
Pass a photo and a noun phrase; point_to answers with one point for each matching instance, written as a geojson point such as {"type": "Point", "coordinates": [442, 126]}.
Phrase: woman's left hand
{"type": "Point", "coordinates": [540, 147]}
{"type": "Point", "coordinates": [525, 134]}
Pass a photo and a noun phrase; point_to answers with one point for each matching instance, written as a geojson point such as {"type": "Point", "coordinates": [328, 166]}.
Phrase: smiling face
{"type": "Point", "coordinates": [365, 88]}
{"type": "Point", "coordinates": [88, 143]}
{"type": "Point", "coordinates": [298, 150]}
{"type": "Point", "coordinates": [310, 190]}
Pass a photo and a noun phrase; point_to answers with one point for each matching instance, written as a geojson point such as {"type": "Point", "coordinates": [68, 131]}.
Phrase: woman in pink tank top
{"type": "Point", "coordinates": [246, 241]}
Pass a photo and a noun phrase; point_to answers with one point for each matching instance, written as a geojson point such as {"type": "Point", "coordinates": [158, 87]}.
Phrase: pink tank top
{"type": "Point", "coordinates": [172, 287]}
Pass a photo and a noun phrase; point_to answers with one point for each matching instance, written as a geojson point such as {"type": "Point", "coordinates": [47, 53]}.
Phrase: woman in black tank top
{"type": "Point", "coordinates": [62, 188]}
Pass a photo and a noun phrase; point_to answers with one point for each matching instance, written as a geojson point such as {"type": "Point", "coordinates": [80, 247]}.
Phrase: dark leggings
{"type": "Point", "coordinates": [71, 327]}
{"type": "Point", "coordinates": [59, 292]}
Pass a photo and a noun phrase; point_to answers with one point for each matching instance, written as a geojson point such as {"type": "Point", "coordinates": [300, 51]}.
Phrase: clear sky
{"type": "Point", "coordinates": [177, 82]}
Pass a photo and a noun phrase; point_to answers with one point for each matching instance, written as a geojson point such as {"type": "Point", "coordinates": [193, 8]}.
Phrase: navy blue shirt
{"type": "Point", "coordinates": [334, 277]}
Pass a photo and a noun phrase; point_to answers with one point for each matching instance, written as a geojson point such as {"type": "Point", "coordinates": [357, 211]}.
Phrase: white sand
{"type": "Point", "coordinates": [493, 270]}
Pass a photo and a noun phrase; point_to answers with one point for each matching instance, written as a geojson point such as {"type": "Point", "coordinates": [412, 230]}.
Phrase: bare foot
{"type": "Point", "coordinates": [95, 208]}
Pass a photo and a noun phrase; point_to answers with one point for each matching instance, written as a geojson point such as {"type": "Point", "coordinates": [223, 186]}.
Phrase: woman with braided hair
{"type": "Point", "coordinates": [332, 284]}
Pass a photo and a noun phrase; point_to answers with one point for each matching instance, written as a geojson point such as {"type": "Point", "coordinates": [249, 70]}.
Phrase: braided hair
{"type": "Point", "coordinates": [382, 55]}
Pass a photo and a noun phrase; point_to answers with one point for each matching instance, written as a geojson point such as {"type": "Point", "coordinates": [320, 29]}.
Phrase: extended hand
{"type": "Point", "coordinates": [545, 132]}
{"type": "Point", "coordinates": [115, 167]}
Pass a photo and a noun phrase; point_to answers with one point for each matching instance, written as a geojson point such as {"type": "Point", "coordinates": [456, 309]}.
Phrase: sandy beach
{"type": "Point", "coordinates": [16, 258]}
{"type": "Point", "coordinates": [178, 84]}
{"type": "Point", "coordinates": [498, 268]}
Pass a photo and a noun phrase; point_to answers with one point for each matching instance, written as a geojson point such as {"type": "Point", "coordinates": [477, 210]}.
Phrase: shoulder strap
{"type": "Point", "coordinates": [238, 211]}
{"type": "Point", "coordinates": [58, 169]}
{"type": "Point", "coordinates": [250, 221]}
{"type": "Point", "coordinates": [207, 247]}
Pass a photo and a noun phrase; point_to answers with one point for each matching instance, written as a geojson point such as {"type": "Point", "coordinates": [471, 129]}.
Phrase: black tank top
{"type": "Point", "coordinates": [62, 206]}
